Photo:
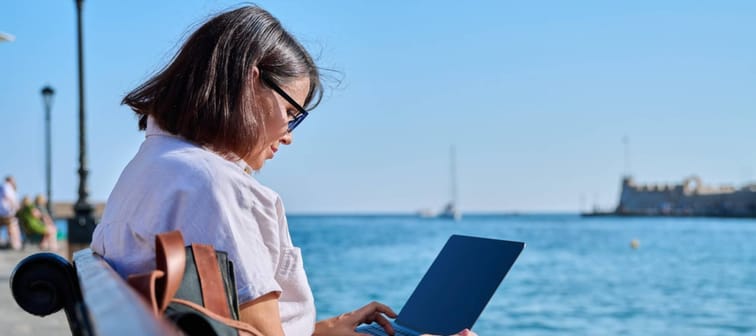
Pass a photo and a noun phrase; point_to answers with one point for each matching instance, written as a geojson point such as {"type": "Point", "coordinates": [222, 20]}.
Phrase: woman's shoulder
{"type": "Point", "coordinates": [169, 166]}
{"type": "Point", "coordinates": [180, 159]}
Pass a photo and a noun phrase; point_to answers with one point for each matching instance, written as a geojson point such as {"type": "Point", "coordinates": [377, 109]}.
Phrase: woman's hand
{"type": "Point", "coordinates": [344, 324]}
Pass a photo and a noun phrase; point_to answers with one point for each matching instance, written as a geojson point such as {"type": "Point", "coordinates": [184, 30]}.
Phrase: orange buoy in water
{"type": "Point", "coordinates": [635, 244]}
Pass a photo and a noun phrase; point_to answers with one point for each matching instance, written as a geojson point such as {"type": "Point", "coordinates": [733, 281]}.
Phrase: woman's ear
{"type": "Point", "coordinates": [255, 73]}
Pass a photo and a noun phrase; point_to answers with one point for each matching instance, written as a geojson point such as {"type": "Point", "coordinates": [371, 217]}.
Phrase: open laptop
{"type": "Point", "coordinates": [456, 288]}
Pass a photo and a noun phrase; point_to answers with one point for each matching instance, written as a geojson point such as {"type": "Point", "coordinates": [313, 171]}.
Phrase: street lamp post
{"type": "Point", "coordinates": [47, 97]}
{"type": "Point", "coordinates": [81, 227]}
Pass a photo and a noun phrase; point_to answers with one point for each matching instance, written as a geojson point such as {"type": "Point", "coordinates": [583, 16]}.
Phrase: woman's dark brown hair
{"type": "Point", "coordinates": [204, 94]}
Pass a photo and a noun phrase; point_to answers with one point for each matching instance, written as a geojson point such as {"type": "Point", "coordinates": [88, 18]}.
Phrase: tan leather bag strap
{"type": "Point", "coordinates": [171, 260]}
{"type": "Point", "coordinates": [144, 284]}
{"type": "Point", "coordinates": [159, 286]}
{"type": "Point", "coordinates": [211, 281]}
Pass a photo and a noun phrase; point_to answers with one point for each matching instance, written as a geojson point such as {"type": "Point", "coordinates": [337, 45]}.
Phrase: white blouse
{"type": "Point", "coordinates": [173, 184]}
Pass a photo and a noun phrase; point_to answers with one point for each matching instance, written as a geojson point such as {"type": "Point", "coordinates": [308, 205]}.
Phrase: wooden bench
{"type": "Point", "coordinates": [96, 300]}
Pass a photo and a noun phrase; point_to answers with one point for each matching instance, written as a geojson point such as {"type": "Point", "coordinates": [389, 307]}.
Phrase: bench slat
{"type": "Point", "coordinates": [113, 308]}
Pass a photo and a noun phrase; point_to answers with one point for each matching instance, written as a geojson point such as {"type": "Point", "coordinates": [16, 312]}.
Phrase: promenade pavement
{"type": "Point", "coordinates": [13, 319]}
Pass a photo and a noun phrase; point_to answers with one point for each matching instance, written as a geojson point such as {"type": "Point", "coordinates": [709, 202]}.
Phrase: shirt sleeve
{"type": "Point", "coordinates": [257, 276]}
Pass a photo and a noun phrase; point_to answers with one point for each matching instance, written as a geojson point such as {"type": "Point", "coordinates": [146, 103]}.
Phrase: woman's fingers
{"type": "Point", "coordinates": [371, 312]}
{"type": "Point", "coordinates": [374, 307]}
{"type": "Point", "coordinates": [384, 323]}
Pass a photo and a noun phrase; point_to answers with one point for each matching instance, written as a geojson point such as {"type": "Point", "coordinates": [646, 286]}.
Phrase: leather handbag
{"type": "Point", "coordinates": [193, 286]}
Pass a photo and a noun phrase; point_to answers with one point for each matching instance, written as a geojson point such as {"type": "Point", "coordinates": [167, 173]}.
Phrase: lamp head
{"type": "Point", "coordinates": [47, 95]}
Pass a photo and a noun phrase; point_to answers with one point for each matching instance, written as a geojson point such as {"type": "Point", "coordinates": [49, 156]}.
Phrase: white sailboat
{"type": "Point", "coordinates": [451, 210]}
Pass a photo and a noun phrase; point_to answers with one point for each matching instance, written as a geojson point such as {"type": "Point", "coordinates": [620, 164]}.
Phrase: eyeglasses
{"type": "Point", "coordinates": [302, 112]}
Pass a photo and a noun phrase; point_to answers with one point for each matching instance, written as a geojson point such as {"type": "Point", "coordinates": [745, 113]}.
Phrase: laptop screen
{"type": "Point", "coordinates": [459, 284]}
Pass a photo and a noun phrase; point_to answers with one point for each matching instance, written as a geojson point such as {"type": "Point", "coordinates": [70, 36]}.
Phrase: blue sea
{"type": "Point", "coordinates": [577, 276]}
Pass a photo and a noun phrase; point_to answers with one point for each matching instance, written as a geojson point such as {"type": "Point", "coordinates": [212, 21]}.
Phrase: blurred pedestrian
{"type": "Point", "coordinates": [35, 220]}
{"type": "Point", "coordinates": [8, 209]}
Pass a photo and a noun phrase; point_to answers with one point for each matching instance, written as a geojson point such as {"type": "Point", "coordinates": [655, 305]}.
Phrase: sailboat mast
{"type": "Point", "coordinates": [453, 179]}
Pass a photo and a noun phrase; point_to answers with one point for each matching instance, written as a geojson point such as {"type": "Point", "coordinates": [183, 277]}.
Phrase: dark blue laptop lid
{"type": "Point", "coordinates": [459, 284]}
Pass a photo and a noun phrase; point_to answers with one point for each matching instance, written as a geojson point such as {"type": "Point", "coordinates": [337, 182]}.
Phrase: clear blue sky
{"type": "Point", "coordinates": [535, 95]}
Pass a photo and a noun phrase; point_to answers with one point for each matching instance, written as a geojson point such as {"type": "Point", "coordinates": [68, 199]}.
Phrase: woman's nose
{"type": "Point", "coordinates": [286, 139]}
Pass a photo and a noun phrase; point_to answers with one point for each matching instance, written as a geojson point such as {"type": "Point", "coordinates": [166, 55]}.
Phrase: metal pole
{"type": "Point", "coordinates": [47, 95]}
{"type": "Point", "coordinates": [48, 161]}
{"type": "Point", "coordinates": [82, 205]}
{"type": "Point", "coordinates": [81, 227]}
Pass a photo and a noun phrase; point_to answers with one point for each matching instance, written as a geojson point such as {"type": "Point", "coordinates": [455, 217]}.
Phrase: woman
{"type": "Point", "coordinates": [35, 220]}
{"type": "Point", "coordinates": [225, 104]}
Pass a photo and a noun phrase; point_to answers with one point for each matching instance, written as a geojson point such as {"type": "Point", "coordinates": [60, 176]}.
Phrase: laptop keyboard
{"type": "Point", "coordinates": [377, 330]}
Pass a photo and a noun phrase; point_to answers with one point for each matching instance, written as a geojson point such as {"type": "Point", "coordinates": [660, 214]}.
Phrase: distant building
{"type": "Point", "coordinates": [690, 198]}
